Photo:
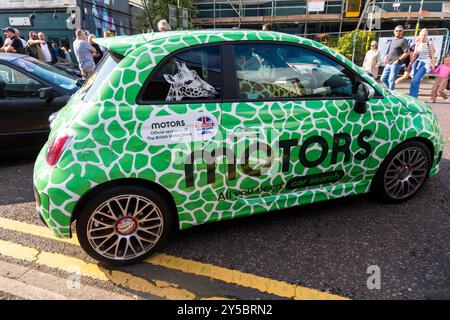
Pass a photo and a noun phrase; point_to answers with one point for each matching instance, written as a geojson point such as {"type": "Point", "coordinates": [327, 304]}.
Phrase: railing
{"type": "Point", "coordinates": [224, 8]}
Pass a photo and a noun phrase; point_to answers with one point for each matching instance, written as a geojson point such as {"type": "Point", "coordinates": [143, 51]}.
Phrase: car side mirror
{"type": "Point", "coordinates": [48, 93]}
{"type": "Point", "coordinates": [363, 93]}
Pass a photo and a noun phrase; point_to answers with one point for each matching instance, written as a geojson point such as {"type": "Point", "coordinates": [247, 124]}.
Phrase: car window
{"type": "Point", "coordinates": [47, 72]}
{"type": "Point", "coordinates": [191, 75]}
{"type": "Point", "coordinates": [15, 84]}
{"type": "Point", "coordinates": [101, 72]}
{"type": "Point", "coordinates": [271, 71]}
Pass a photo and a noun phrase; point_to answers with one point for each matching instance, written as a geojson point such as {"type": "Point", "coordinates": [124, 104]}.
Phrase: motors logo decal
{"type": "Point", "coordinates": [164, 130]}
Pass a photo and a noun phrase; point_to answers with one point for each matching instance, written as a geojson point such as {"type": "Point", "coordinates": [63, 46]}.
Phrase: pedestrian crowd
{"type": "Point", "coordinates": [418, 60]}
{"type": "Point", "coordinates": [87, 52]}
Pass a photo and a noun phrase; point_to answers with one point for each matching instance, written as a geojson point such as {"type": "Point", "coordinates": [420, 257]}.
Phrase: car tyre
{"type": "Point", "coordinates": [403, 172]}
{"type": "Point", "coordinates": [124, 224]}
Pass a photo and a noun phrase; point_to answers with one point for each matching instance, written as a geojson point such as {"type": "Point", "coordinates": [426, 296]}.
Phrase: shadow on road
{"type": "Point", "coordinates": [16, 180]}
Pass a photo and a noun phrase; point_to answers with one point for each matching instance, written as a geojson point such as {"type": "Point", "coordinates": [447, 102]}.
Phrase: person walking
{"type": "Point", "coordinates": [408, 67]}
{"type": "Point", "coordinates": [372, 59]}
{"type": "Point", "coordinates": [34, 46]}
{"type": "Point", "coordinates": [163, 25]}
{"type": "Point", "coordinates": [14, 45]}
{"type": "Point", "coordinates": [84, 53]}
{"type": "Point", "coordinates": [47, 50]}
{"type": "Point", "coordinates": [98, 54]}
{"type": "Point", "coordinates": [397, 52]}
{"type": "Point", "coordinates": [440, 83]}
{"type": "Point", "coordinates": [422, 62]}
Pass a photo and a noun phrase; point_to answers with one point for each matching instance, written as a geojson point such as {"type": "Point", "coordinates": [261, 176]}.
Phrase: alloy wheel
{"type": "Point", "coordinates": [406, 173]}
{"type": "Point", "coordinates": [125, 227]}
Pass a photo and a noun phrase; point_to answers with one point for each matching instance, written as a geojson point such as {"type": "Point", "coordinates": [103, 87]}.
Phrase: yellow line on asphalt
{"type": "Point", "coordinates": [262, 284]}
{"type": "Point", "coordinates": [275, 287]}
{"type": "Point", "coordinates": [69, 264]}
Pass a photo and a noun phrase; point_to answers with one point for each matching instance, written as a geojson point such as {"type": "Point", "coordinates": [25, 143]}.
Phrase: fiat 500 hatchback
{"type": "Point", "coordinates": [177, 129]}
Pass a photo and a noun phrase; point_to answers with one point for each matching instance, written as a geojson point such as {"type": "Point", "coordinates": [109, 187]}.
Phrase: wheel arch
{"type": "Point", "coordinates": [426, 142]}
{"type": "Point", "coordinates": [130, 182]}
{"type": "Point", "coordinates": [429, 145]}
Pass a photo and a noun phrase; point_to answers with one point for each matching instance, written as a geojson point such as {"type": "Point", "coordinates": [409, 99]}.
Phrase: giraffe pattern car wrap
{"type": "Point", "coordinates": [108, 144]}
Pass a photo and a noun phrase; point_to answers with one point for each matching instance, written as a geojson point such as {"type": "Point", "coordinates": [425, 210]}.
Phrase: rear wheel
{"type": "Point", "coordinates": [403, 172]}
{"type": "Point", "coordinates": [124, 224]}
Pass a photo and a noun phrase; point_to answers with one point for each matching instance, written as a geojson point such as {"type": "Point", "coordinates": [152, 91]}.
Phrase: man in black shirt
{"type": "Point", "coordinates": [398, 51]}
{"type": "Point", "coordinates": [15, 45]}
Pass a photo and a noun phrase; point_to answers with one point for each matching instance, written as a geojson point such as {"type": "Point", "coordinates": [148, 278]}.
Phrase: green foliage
{"type": "Point", "coordinates": [159, 9]}
{"type": "Point", "coordinates": [363, 40]}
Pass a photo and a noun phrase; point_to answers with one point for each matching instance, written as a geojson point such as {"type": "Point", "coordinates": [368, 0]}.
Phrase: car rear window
{"type": "Point", "coordinates": [101, 71]}
{"type": "Point", "coordinates": [193, 75]}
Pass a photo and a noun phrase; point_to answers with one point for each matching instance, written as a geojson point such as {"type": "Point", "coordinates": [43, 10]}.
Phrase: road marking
{"type": "Point", "coordinates": [28, 283]}
{"type": "Point", "coordinates": [275, 287]}
{"type": "Point", "coordinates": [68, 264]}
{"type": "Point", "coordinates": [262, 284]}
{"type": "Point", "coordinates": [34, 230]}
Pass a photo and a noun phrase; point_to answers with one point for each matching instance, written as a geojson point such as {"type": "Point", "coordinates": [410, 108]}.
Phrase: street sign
{"type": "Point", "coordinates": [173, 16]}
{"type": "Point", "coordinates": [316, 6]}
{"type": "Point", "coordinates": [185, 18]}
{"type": "Point", "coordinates": [19, 21]}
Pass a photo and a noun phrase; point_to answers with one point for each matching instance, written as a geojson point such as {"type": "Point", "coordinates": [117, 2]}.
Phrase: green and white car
{"type": "Point", "coordinates": [177, 129]}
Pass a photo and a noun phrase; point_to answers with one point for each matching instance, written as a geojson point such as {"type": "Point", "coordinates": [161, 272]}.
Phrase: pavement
{"type": "Point", "coordinates": [321, 251]}
{"type": "Point", "coordinates": [425, 88]}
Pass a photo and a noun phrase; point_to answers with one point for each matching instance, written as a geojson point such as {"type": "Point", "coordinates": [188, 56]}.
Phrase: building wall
{"type": "Point", "coordinates": [292, 15]}
{"type": "Point", "coordinates": [102, 15]}
{"type": "Point", "coordinates": [50, 16]}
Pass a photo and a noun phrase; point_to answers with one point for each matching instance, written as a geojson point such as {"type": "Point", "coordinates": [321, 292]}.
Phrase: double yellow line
{"type": "Point", "coordinates": [154, 287]}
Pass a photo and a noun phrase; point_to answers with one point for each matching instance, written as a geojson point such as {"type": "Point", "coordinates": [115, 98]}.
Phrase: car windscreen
{"type": "Point", "coordinates": [101, 71]}
{"type": "Point", "coordinates": [47, 73]}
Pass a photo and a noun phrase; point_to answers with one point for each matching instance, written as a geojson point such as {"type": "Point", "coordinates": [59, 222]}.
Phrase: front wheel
{"type": "Point", "coordinates": [124, 224]}
{"type": "Point", "coordinates": [403, 172]}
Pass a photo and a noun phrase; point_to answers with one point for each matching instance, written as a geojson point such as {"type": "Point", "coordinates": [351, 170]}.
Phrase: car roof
{"type": "Point", "coordinates": [8, 57]}
{"type": "Point", "coordinates": [125, 44]}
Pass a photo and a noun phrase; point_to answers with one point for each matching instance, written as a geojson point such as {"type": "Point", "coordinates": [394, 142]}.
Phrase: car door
{"type": "Point", "coordinates": [292, 126]}
{"type": "Point", "coordinates": [24, 116]}
{"type": "Point", "coordinates": [180, 104]}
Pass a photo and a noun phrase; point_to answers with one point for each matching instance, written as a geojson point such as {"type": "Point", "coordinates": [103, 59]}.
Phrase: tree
{"type": "Point", "coordinates": [363, 40]}
{"type": "Point", "coordinates": [159, 9]}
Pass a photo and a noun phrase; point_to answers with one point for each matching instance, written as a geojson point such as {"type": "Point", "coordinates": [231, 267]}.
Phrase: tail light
{"type": "Point", "coordinates": [58, 145]}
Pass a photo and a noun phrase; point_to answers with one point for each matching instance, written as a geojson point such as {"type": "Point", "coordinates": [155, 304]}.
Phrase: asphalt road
{"type": "Point", "coordinates": [326, 246]}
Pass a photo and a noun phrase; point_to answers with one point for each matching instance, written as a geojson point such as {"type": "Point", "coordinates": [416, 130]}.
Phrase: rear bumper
{"type": "Point", "coordinates": [55, 213]}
